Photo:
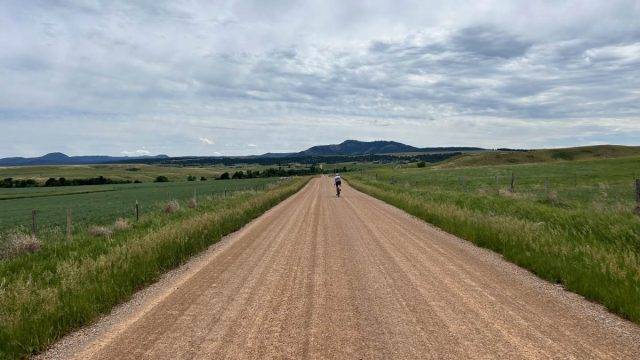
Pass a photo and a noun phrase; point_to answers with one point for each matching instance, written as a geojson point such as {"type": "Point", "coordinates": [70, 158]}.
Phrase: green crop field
{"type": "Point", "coordinates": [102, 204]}
{"type": "Point", "coordinates": [571, 222]}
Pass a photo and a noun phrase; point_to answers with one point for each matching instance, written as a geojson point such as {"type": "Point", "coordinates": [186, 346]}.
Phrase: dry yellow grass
{"type": "Point", "coordinates": [121, 224]}
{"type": "Point", "coordinates": [172, 206]}
{"type": "Point", "coordinates": [100, 231]}
{"type": "Point", "coordinates": [17, 244]}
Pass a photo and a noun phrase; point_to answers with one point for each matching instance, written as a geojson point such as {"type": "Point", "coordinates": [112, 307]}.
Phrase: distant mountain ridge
{"type": "Point", "coordinates": [346, 148]}
{"type": "Point", "coordinates": [58, 158]}
{"type": "Point", "coordinates": [355, 147]}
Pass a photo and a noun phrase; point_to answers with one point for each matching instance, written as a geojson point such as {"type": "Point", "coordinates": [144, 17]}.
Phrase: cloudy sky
{"type": "Point", "coordinates": [240, 77]}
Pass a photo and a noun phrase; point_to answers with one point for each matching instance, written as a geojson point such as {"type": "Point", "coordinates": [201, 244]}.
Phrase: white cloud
{"type": "Point", "coordinates": [206, 141]}
{"type": "Point", "coordinates": [139, 152]}
{"type": "Point", "coordinates": [252, 145]}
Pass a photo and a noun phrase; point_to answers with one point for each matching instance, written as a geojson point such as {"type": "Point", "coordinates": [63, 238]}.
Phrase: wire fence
{"type": "Point", "coordinates": [52, 210]}
{"type": "Point", "coordinates": [580, 188]}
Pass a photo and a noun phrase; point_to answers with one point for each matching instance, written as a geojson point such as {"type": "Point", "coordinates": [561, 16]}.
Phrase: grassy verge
{"type": "Point", "coordinates": [595, 253]}
{"type": "Point", "coordinates": [69, 284]}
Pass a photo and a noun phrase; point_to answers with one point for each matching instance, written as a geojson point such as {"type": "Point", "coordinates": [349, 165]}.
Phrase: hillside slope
{"type": "Point", "coordinates": [543, 155]}
{"type": "Point", "coordinates": [354, 147]}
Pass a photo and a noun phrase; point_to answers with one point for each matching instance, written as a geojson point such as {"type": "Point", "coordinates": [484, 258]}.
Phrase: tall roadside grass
{"type": "Point", "coordinates": [595, 254]}
{"type": "Point", "coordinates": [69, 284]}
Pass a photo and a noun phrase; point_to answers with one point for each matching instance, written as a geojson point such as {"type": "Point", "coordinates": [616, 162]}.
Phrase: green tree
{"type": "Point", "coordinates": [238, 175]}
{"type": "Point", "coordinates": [161, 178]}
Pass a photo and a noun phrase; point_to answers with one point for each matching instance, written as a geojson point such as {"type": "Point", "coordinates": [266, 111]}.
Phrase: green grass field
{"type": "Point", "coordinates": [101, 204]}
{"type": "Point", "coordinates": [541, 156]}
{"type": "Point", "coordinates": [141, 172]}
{"type": "Point", "coordinates": [132, 172]}
{"type": "Point", "coordinates": [570, 222]}
{"type": "Point", "coordinates": [68, 284]}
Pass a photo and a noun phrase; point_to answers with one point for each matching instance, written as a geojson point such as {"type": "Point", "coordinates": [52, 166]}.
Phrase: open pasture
{"type": "Point", "coordinates": [102, 204]}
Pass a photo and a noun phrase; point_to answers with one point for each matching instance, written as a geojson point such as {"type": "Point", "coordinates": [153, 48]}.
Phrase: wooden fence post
{"type": "Point", "coordinates": [637, 210]}
{"type": "Point", "coordinates": [463, 182]}
{"type": "Point", "coordinates": [546, 185]}
{"type": "Point", "coordinates": [34, 225]}
{"type": "Point", "coordinates": [513, 182]}
{"type": "Point", "coordinates": [137, 211]}
{"type": "Point", "coordinates": [69, 231]}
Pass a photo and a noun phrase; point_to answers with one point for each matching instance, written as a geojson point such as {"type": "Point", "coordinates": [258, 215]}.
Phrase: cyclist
{"type": "Point", "coordinates": [337, 180]}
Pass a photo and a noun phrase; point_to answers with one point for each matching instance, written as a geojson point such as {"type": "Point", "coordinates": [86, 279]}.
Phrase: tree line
{"type": "Point", "coordinates": [271, 172]}
{"type": "Point", "coordinates": [22, 183]}
{"type": "Point", "coordinates": [284, 160]}
{"type": "Point", "coordinates": [101, 180]}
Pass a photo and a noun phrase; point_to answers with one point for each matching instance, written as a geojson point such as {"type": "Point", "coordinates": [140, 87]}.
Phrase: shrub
{"type": "Point", "coordinates": [51, 182]}
{"type": "Point", "coordinates": [193, 203]}
{"type": "Point", "coordinates": [191, 178]}
{"type": "Point", "coordinates": [100, 231]}
{"type": "Point", "coordinates": [422, 164]}
{"type": "Point", "coordinates": [224, 176]}
{"type": "Point", "coordinates": [161, 178]}
{"type": "Point", "coordinates": [238, 175]}
{"type": "Point", "coordinates": [202, 178]}
{"type": "Point", "coordinates": [100, 180]}
{"type": "Point", "coordinates": [552, 197]}
{"type": "Point", "coordinates": [121, 224]}
{"type": "Point", "coordinates": [22, 183]}
{"type": "Point", "coordinates": [172, 206]}
{"type": "Point", "coordinates": [7, 183]}
{"type": "Point", "coordinates": [17, 244]}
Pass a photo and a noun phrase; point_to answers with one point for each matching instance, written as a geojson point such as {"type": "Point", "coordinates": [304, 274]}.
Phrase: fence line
{"type": "Point", "coordinates": [44, 218]}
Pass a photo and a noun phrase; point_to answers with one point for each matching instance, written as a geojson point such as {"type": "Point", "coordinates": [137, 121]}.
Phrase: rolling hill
{"type": "Point", "coordinates": [542, 155]}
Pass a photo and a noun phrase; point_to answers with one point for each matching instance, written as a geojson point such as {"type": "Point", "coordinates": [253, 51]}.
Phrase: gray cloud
{"type": "Point", "coordinates": [104, 77]}
{"type": "Point", "coordinates": [490, 42]}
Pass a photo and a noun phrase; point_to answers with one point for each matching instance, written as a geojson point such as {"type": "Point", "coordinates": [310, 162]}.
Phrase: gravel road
{"type": "Point", "coordinates": [351, 278]}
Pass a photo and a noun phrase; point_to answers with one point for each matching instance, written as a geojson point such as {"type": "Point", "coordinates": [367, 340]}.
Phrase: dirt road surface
{"type": "Point", "coordinates": [352, 278]}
